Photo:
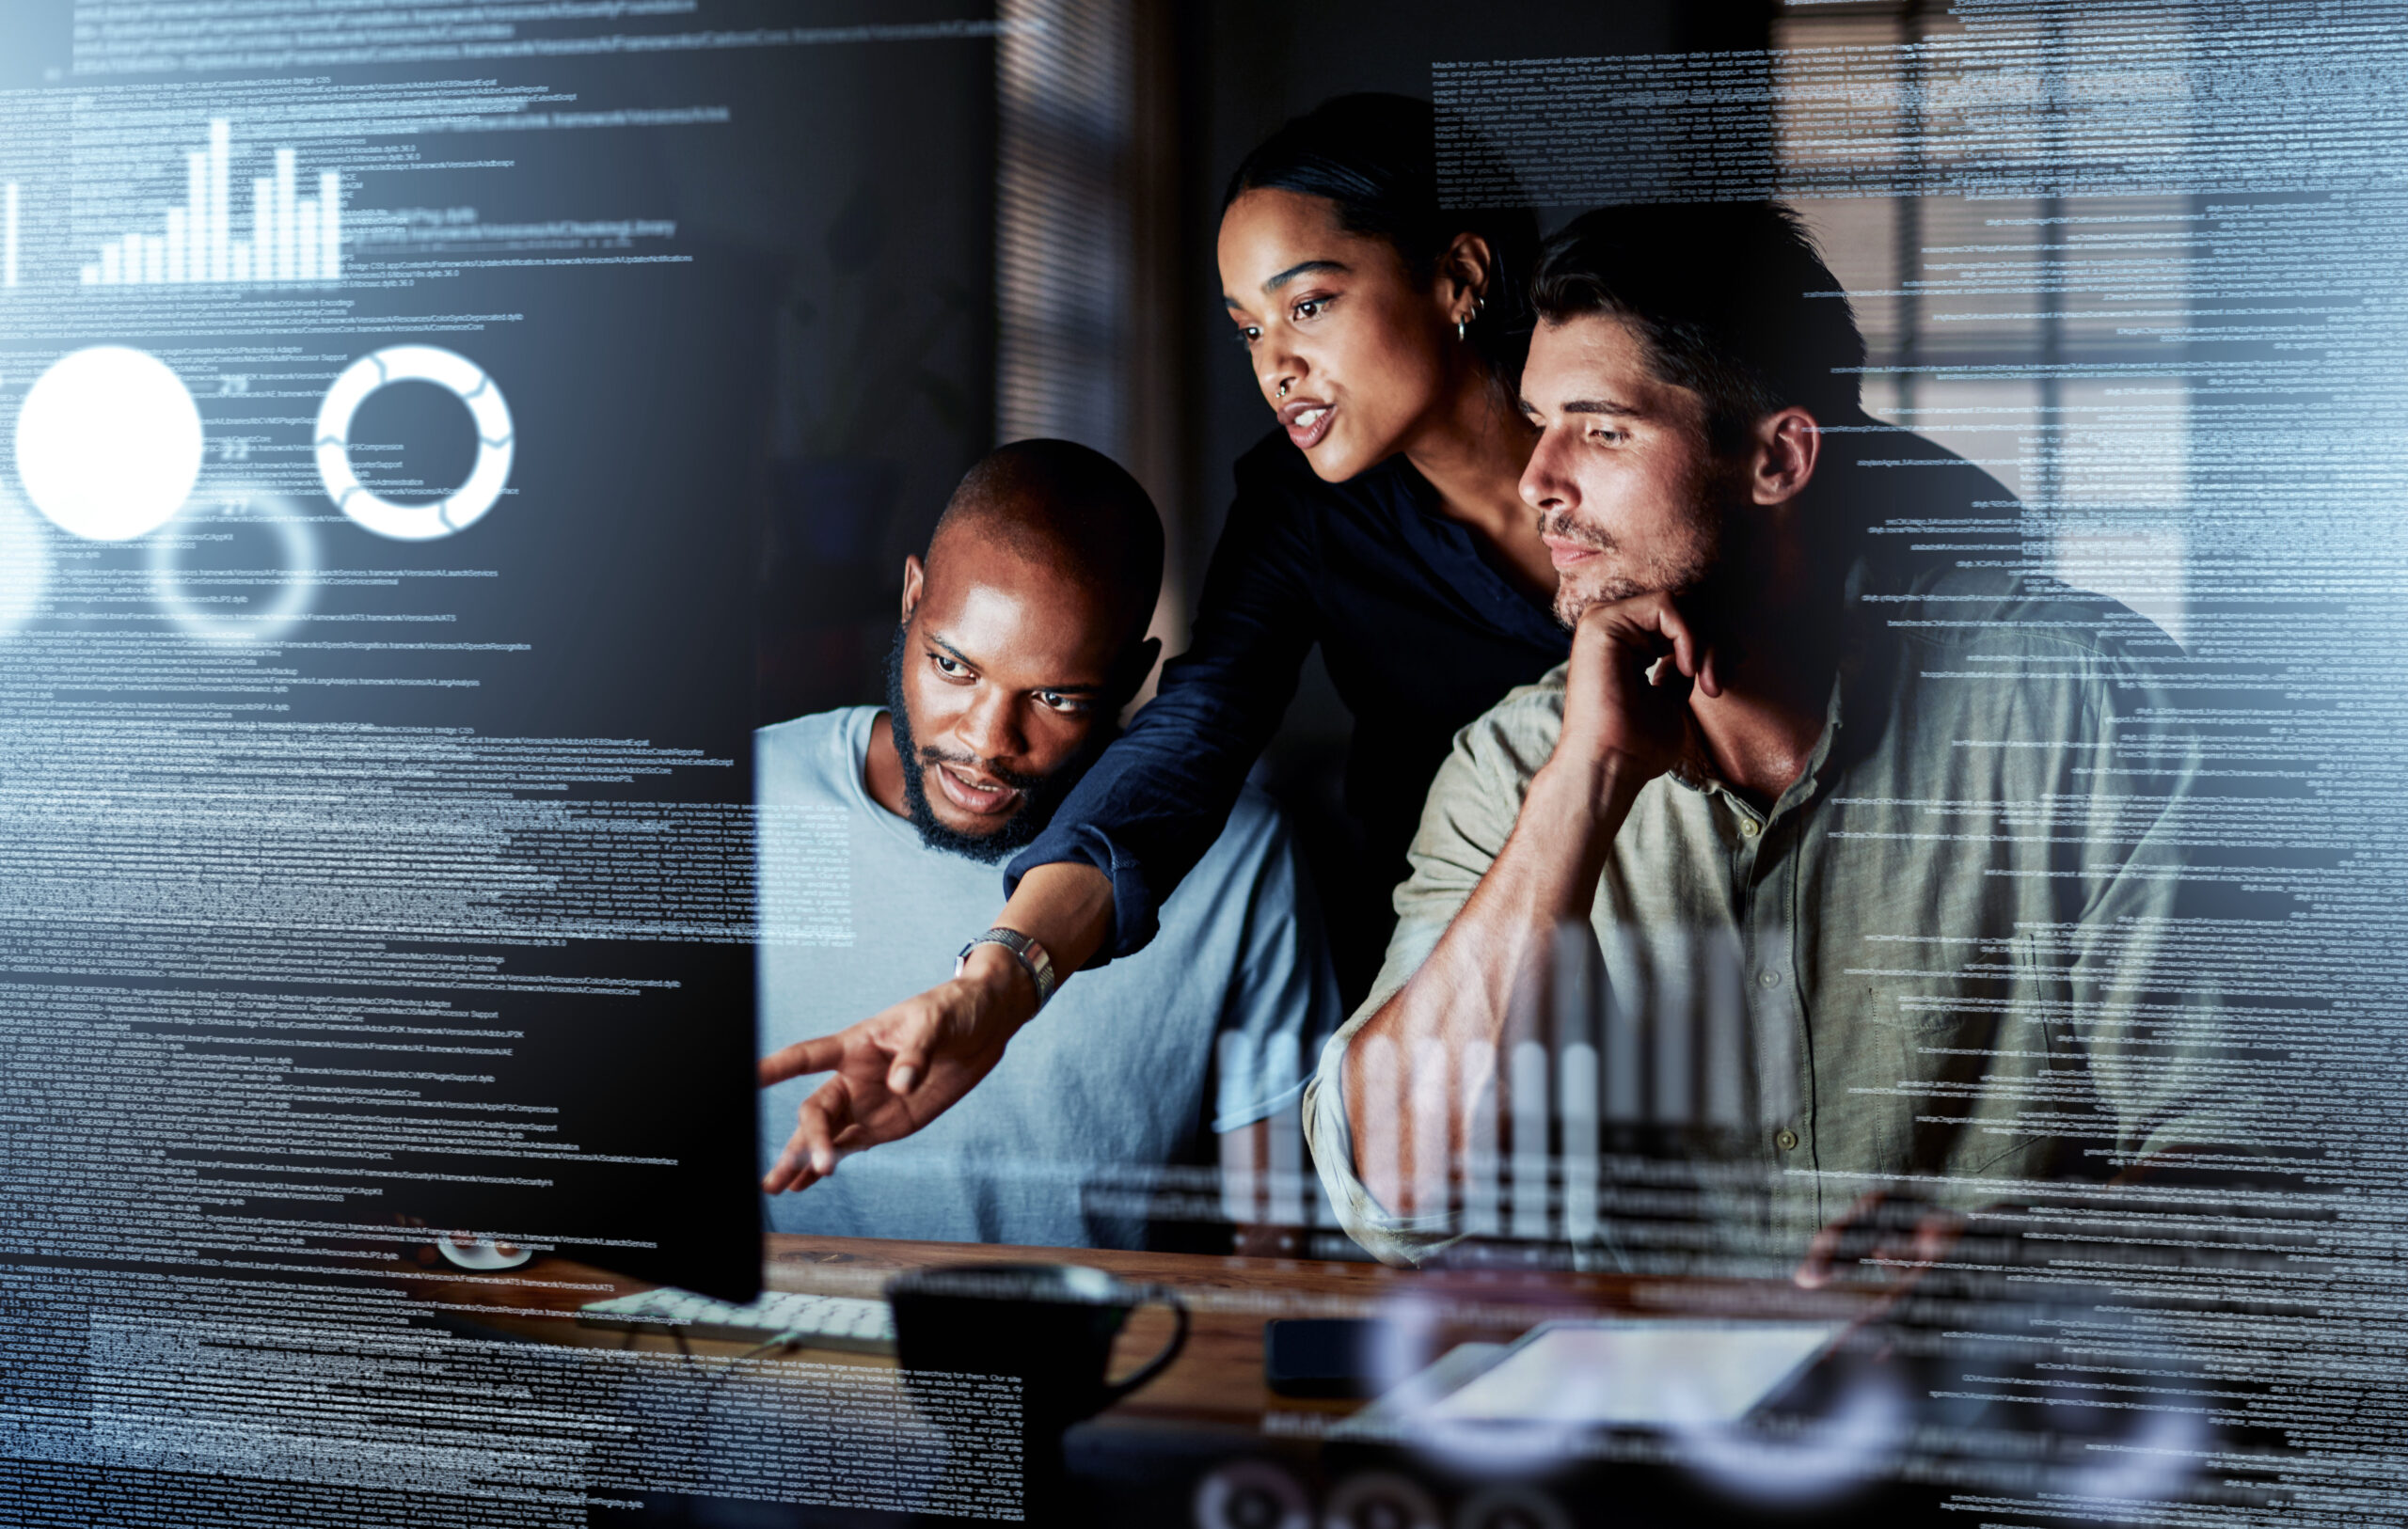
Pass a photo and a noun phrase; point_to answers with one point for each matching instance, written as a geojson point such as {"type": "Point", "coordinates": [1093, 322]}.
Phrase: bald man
{"type": "Point", "coordinates": [1022, 637]}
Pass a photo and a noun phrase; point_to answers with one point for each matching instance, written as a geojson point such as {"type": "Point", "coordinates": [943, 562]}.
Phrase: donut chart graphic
{"type": "Point", "coordinates": [465, 379]}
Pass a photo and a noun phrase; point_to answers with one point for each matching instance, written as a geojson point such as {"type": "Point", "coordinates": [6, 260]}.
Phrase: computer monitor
{"type": "Point", "coordinates": [391, 448]}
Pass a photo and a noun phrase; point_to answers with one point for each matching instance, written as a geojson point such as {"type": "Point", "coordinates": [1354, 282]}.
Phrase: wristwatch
{"type": "Point", "coordinates": [1028, 952]}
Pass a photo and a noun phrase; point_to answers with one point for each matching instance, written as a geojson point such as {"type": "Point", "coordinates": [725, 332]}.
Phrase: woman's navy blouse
{"type": "Point", "coordinates": [1421, 636]}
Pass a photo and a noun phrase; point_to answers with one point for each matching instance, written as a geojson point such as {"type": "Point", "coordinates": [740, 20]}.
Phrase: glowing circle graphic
{"type": "Point", "coordinates": [296, 579]}
{"type": "Point", "coordinates": [108, 443]}
{"type": "Point", "coordinates": [465, 379]}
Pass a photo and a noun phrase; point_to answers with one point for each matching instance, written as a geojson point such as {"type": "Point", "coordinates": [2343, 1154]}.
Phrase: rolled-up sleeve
{"type": "Point", "coordinates": [1470, 812]}
{"type": "Point", "coordinates": [1384, 1234]}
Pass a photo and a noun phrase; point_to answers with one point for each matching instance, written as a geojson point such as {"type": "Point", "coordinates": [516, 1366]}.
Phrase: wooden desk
{"type": "Point", "coordinates": [1217, 1382]}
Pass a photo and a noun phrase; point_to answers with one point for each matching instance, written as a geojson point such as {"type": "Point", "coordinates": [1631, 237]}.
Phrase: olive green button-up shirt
{"type": "Point", "coordinates": [1937, 962]}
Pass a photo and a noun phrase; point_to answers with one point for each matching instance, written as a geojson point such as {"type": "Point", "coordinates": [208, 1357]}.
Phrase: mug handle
{"type": "Point", "coordinates": [1162, 1296]}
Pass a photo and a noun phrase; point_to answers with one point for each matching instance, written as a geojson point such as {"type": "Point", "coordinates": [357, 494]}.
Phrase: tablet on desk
{"type": "Point", "coordinates": [1614, 1373]}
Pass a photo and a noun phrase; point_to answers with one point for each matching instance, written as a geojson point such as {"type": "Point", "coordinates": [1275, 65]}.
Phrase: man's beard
{"type": "Point", "coordinates": [1682, 571]}
{"type": "Point", "coordinates": [1040, 793]}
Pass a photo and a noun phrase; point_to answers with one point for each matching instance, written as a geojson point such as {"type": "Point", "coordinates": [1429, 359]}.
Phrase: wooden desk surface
{"type": "Point", "coordinates": [1218, 1380]}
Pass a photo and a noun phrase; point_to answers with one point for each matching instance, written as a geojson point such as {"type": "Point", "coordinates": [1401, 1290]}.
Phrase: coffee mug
{"type": "Point", "coordinates": [1050, 1326]}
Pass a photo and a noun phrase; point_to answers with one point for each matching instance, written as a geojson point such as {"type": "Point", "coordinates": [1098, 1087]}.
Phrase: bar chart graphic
{"type": "Point", "coordinates": [292, 237]}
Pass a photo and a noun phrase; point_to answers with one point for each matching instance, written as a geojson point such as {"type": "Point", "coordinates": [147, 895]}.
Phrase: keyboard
{"type": "Point", "coordinates": [814, 1322]}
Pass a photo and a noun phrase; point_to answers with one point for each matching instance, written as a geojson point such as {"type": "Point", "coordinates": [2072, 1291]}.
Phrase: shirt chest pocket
{"type": "Point", "coordinates": [2015, 988]}
{"type": "Point", "coordinates": [1938, 986]}
{"type": "Point", "coordinates": [1919, 931]}
{"type": "Point", "coordinates": [2039, 1001]}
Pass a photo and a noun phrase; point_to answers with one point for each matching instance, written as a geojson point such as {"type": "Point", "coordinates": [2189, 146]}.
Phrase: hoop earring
{"type": "Point", "coordinates": [1462, 325]}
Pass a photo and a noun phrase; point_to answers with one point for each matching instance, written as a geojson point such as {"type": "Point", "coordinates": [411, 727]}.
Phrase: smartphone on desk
{"type": "Point", "coordinates": [1320, 1356]}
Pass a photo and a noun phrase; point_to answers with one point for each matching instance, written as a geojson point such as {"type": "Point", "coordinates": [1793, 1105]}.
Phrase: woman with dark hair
{"type": "Point", "coordinates": [1382, 520]}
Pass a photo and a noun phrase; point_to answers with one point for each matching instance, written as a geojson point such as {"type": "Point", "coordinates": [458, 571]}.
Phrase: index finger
{"type": "Point", "coordinates": [819, 1055]}
{"type": "Point", "coordinates": [1650, 622]}
{"type": "Point", "coordinates": [1675, 629]}
{"type": "Point", "coordinates": [1823, 1251]}
{"type": "Point", "coordinates": [1813, 1271]}
{"type": "Point", "coordinates": [809, 1153]}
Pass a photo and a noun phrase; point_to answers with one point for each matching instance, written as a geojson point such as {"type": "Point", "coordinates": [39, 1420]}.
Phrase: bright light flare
{"type": "Point", "coordinates": [108, 443]}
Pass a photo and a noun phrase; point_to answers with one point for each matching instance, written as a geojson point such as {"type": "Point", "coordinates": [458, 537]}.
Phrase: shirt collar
{"type": "Point", "coordinates": [1861, 626]}
{"type": "Point", "coordinates": [1446, 544]}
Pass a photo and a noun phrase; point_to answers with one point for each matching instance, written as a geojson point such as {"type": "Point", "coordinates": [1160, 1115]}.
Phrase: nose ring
{"type": "Point", "coordinates": [1283, 388]}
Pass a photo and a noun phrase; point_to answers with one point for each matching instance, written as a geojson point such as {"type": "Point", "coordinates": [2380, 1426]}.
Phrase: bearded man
{"type": "Point", "coordinates": [1905, 827]}
{"type": "Point", "coordinates": [1023, 635]}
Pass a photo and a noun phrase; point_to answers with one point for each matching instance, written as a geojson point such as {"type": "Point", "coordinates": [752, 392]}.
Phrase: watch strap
{"type": "Point", "coordinates": [1031, 954]}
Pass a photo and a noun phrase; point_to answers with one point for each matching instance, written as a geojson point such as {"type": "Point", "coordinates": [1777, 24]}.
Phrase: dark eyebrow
{"type": "Point", "coordinates": [1300, 268]}
{"type": "Point", "coordinates": [1590, 406]}
{"type": "Point", "coordinates": [962, 658]}
{"type": "Point", "coordinates": [957, 652]}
